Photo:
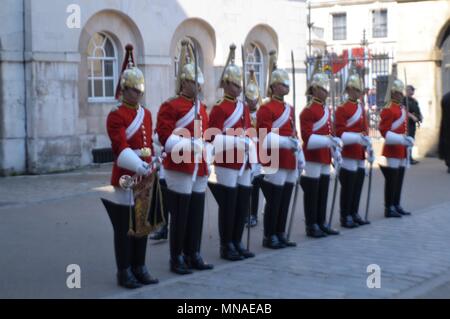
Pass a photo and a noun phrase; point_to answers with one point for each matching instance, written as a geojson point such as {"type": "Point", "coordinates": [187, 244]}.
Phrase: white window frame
{"type": "Point", "coordinates": [92, 78]}
{"type": "Point", "coordinates": [333, 16]}
{"type": "Point", "coordinates": [379, 27]}
{"type": "Point", "coordinates": [252, 63]}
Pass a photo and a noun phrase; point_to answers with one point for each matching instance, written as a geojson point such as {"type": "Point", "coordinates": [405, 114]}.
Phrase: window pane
{"type": "Point", "coordinates": [109, 67]}
{"type": "Point", "coordinates": [98, 88]}
{"type": "Point", "coordinates": [109, 49]}
{"type": "Point", "coordinates": [379, 20]}
{"type": "Point", "coordinates": [109, 88]}
{"type": "Point", "coordinates": [97, 67]}
{"type": "Point", "coordinates": [339, 26]}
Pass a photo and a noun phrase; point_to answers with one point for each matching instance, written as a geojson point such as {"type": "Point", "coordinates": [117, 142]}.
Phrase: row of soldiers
{"type": "Point", "coordinates": [234, 153]}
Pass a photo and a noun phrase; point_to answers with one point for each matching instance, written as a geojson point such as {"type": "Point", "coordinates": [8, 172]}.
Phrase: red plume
{"type": "Point", "coordinates": [129, 57]}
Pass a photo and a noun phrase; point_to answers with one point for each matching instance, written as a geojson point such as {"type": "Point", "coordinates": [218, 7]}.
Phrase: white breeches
{"type": "Point", "coordinates": [230, 177]}
{"type": "Point", "coordinates": [351, 164]}
{"type": "Point", "coordinates": [182, 182]}
{"type": "Point", "coordinates": [282, 176]}
{"type": "Point", "coordinates": [396, 162]}
{"type": "Point", "coordinates": [314, 169]}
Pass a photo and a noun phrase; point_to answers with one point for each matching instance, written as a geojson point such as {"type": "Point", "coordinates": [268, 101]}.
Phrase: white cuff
{"type": "Point", "coordinates": [176, 140]}
{"type": "Point", "coordinates": [128, 159]}
{"type": "Point", "coordinates": [351, 138]}
{"type": "Point", "coordinates": [273, 140]}
{"type": "Point", "coordinates": [394, 138]}
{"type": "Point", "coordinates": [318, 141]}
{"type": "Point", "coordinates": [223, 142]}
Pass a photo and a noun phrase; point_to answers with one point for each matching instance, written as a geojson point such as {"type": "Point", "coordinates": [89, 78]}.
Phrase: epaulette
{"type": "Point", "coordinates": [115, 108]}
{"type": "Point", "coordinates": [266, 101]}
{"type": "Point", "coordinates": [219, 101]}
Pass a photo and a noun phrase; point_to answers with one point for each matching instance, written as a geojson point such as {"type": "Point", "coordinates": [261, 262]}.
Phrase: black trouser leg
{"type": "Point", "coordinates": [178, 205]}
{"type": "Point", "coordinates": [242, 212]}
{"type": "Point", "coordinates": [398, 192]}
{"type": "Point", "coordinates": [310, 188]}
{"type": "Point", "coordinates": [324, 182]}
{"type": "Point", "coordinates": [359, 182]}
{"type": "Point", "coordinates": [283, 215]}
{"type": "Point", "coordinates": [390, 184]}
{"type": "Point", "coordinates": [273, 194]}
{"type": "Point", "coordinates": [347, 179]}
{"type": "Point", "coordinates": [123, 244]}
{"type": "Point", "coordinates": [226, 200]}
{"type": "Point", "coordinates": [193, 238]}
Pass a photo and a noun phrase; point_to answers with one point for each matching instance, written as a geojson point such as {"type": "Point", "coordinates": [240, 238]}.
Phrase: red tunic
{"type": "Point", "coordinates": [219, 113]}
{"type": "Point", "coordinates": [343, 114]}
{"type": "Point", "coordinates": [389, 115]}
{"type": "Point", "coordinates": [310, 115]}
{"type": "Point", "coordinates": [169, 113]}
{"type": "Point", "coordinates": [117, 122]}
{"type": "Point", "coordinates": [267, 114]}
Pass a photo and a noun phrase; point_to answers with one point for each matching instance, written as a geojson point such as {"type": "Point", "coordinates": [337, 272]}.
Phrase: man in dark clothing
{"type": "Point", "coordinates": [414, 116]}
{"type": "Point", "coordinates": [444, 136]}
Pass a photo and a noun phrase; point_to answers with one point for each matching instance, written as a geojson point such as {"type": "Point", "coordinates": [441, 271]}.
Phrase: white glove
{"type": "Point", "coordinates": [243, 142]}
{"type": "Point", "coordinates": [143, 169]}
{"type": "Point", "coordinates": [366, 141]}
{"type": "Point", "coordinates": [409, 141]}
{"type": "Point", "coordinates": [337, 156]}
{"type": "Point", "coordinates": [301, 162]}
{"type": "Point", "coordinates": [336, 142]}
{"type": "Point", "coordinates": [295, 143]}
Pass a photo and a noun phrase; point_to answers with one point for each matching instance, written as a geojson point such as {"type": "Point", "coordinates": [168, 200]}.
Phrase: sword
{"type": "Point", "coordinates": [294, 203]}
{"type": "Point", "coordinates": [245, 150]}
{"type": "Point", "coordinates": [196, 115]}
{"type": "Point", "coordinates": [336, 165]}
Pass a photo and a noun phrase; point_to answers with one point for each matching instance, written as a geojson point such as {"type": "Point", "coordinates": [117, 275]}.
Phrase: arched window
{"type": "Point", "coordinates": [102, 68]}
{"type": "Point", "coordinates": [255, 62]}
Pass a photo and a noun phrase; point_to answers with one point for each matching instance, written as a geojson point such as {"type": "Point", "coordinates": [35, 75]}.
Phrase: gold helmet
{"type": "Point", "coordinates": [354, 80]}
{"type": "Point", "coordinates": [231, 72]}
{"type": "Point", "coordinates": [186, 66]}
{"type": "Point", "coordinates": [276, 75]}
{"type": "Point", "coordinates": [397, 86]}
{"type": "Point", "coordinates": [252, 89]}
{"type": "Point", "coordinates": [318, 77]}
{"type": "Point", "coordinates": [131, 76]}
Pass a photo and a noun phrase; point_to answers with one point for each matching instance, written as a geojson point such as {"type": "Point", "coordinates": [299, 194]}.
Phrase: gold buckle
{"type": "Point", "coordinates": [146, 152]}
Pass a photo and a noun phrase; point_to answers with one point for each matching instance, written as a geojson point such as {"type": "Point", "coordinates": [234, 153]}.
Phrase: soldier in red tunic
{"type": "Point", "coordinates": [278, 139]}
{"type": "Point", "coordinates": [234, 151]}
{"type": "Point", "coordinates": [318, 142]}
{"type": "Point", "coordinates": [351, 127]}
{"type": "Point", "coordinates": [129, 127]}
{"type": "Point", "coordinates": [180, 126]}
{"type": "Point", "coordinates": [397, 146]}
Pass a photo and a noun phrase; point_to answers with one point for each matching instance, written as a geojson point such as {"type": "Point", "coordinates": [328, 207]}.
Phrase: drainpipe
{"type": "Point", "coordinates": [25, 91]}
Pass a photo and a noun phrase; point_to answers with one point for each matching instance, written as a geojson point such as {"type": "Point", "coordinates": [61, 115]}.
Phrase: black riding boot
{"type": "Point", "coordinates": [310, 188]}
{"type": "Point", "coordinates": [273, 194]}
{"type": "Point", "coordinates": [138, 267]}
{"type": "Point", "coordinates": [347, 179]}
{"type": "Point", "coordinates": [324, 183]}
{"type": "Point", "coordinates": [390, 184]}
{"type": "Point", "coordinates": [242, 212]}
{"type": "Point", "coordinates": [398, 192]}
{"type": "Point", "coordinates": [178, 206]}
{"type": "Point", "coordinates": [360, 175]}
{"type": "Point", "coordinates": [283, 215]}
{"type": "Point", "coordinates": [123, 246]}
{"type": "Point", "coordinates": [193, 239]}
{"type": "Point", "coordinates": [226, 198]}
{"type": "Point", "coordinates": [254, 202]}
